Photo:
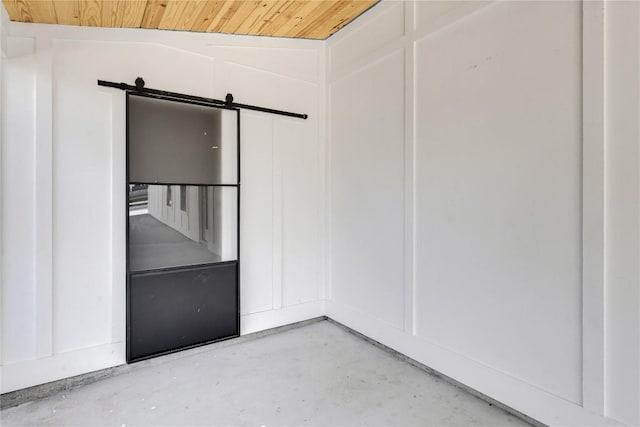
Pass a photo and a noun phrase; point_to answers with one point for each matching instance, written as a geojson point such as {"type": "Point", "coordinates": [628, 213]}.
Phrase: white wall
{"type": "Point", "coordinates": [4, 21]}
{"type": "Point", "coordinates": [63, 188]}
{"type": "Point", "coordinates": [622, 212]}
{"type": "Point", "coordinates": [478, 216]}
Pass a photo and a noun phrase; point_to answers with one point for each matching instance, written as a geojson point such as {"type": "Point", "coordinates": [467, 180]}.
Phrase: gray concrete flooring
{"type": "Point", "coordinates": [153, 244]}
{"type": "Point", "coordinates": [315, 375]}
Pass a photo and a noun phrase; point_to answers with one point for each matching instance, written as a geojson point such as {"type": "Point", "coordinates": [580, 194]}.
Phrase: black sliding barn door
{"type": "Point", "coordinates": [183, 213]}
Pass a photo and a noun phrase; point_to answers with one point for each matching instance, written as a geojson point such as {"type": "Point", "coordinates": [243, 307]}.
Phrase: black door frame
{"type": "Point", "coordinates": [129, 93]}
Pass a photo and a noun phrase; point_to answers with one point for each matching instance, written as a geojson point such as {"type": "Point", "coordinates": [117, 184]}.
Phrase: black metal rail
{"type": "Point", "coordinates": [228, 102]}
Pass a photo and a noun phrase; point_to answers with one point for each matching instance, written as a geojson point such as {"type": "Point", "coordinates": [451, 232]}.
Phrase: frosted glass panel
{"type": "Point", "coordinates": [179, 143]}
{"type": "Point", "coordinates": [163, 235]}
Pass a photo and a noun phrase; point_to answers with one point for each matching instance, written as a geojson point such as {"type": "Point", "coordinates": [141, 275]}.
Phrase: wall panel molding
{"type": "Point", "coordinates": [19, 334]}
{"type": "Point", "coordinates": [277, 220]}
{"type": "Point", "coordinates": [513, 392]}
{"type": "Point", "coordinates": [255, 322]}
{"type": "Point", "coordinates": [389, 23]}
{"type": "Point", "coordinates": [409, 178]}
{"type": "Point", "coordinates": [44, 197]}
{"type": "Point", "coordinates": [431, 18]}
{"type": "Point", "coordinates": [593, 141]}
{"type": "Point", "coordinates": [3, 38]}
{"type": "Point", "coordinates": [622, 211]}
{"type": "Point", "coordinates": [27, 373]}
{"type": "Point", "coordinates": [421, 27]}
{"type": "Point", "coordinates": [368, 161]}
{"type": "Point", "coordinates": [72, 132]}
{"type": "Point", "coordinates": [323, 188]}
{"type": "Point", "coordinates": [118, 222]}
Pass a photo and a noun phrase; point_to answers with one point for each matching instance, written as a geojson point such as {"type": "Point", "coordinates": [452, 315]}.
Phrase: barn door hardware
{"type": "Point", "coordinates": [228, 102]}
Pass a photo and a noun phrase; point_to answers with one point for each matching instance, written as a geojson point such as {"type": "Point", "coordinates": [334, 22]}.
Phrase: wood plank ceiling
{"type": "Point", "coordinates": [310, 19]}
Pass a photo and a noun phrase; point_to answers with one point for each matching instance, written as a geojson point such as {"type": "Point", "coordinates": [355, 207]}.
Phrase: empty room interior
{"type": "Point", "coordinates": [320, 212]}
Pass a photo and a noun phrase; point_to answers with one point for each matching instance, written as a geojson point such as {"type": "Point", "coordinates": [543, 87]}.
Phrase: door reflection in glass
{"type": "Point", "coordinates": [200, 228]}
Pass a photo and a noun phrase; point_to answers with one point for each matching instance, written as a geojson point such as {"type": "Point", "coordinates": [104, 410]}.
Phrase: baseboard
{"type": "Point", "coordinates": [19, 384]}
{"type": "Point", "coordinates": [440, 375]}
{"type": "Point", "coordinates": [28, 373]}
{"type": "Point", "coordinates": [514, 395]}
{"type": "Point", "coordinates": [250, 323]}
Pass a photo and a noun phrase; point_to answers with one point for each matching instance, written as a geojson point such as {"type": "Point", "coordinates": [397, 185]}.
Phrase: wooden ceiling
{"type": "Point", "coordinates": [310, 19]}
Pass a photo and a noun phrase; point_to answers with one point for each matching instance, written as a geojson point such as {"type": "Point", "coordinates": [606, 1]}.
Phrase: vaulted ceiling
{"type": "Point", "coordinates": [310, 19]}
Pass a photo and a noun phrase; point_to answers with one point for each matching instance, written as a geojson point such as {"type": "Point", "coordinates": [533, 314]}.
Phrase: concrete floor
{"type": "Point", "coordinates": [315, 375]}
{"type": "Point", "coordinates": [153, 244]}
